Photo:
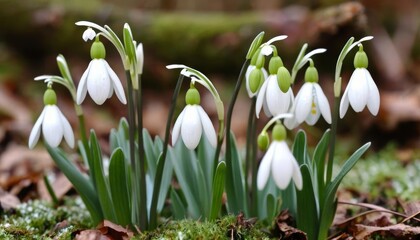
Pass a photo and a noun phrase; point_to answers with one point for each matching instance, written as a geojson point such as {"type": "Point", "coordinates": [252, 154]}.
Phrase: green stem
{"type": "Point", "coordinates": [250, 156]}
{"type": "Point", "coordinates": [131, 130]}
{"type": "Point", "coordinates": [229, 171]}
{"type": "Point", "coordinates": [82, 126]}
{"type": "Point", "coordinates": [218, 149]}
{"type": "Point", "coordinates": [332, 139]}
{"type": "Point", "coordinates": [140, 147]}
{"type": "Point", "coordinates": [162, 157]}
{"type": "Point", "coordinates": [51, 191]}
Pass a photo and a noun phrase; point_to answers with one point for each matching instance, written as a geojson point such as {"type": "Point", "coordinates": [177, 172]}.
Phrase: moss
{"type": "Point", "coordinates": [192, 229]}
{"type": "Point", "coordinates": [40, 220]}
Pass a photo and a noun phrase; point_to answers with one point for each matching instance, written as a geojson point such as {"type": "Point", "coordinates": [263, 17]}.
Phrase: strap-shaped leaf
{"type": "Point", "coordinates": [307, 213]}
{"type": "Point", "coordinates": [102, 186]}
{"type": "Point", "coordinates": [217, 192]}
{"type": "Point", "coordinates": [205, 154]}
{"type": "Point", "coordinates": [119, 188]}
{"type": "Point", "coordinates": [178, 209]}
{"type": "Point", "coordinates": [319, 162]}
{"type": "Point", "coordinates": [82, 185]}
{"type": "Point", "coordinates": [327, 212]}
{"type": "Point", "coordinates": [299, 147]}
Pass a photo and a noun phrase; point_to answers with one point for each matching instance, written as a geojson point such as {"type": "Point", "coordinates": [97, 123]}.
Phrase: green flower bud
{"type": "Point", "coordinates": [255, 78]}
{"type": "Point", "coordinates": [275, 63]}
{"type": "Point", "coordinates": [260, 61]}
{"type": "Point", "coordinates": [192, 96]}
{"type": "Point", "coordinates": [279, 132]}
{"type": "Point", "coordinates": [50, 98]}
{"type": "Point", "coordinates": [311, 74]}
{"type": "Point", "coordinates": [97, 51]}
{"type": "Point", "coordinates": [284, 79]}
{"type": "Point", "coordinates": [263, 141]}
{"type": "Point", "coordinates": [361, 59]}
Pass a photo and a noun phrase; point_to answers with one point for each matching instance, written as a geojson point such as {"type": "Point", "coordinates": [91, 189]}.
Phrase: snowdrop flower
{"type": "Point", "coordinates": [256, 72]}
{"type": "Point", "coordinates": [361, 90]}
{"type": "Point", "coordinates": [99, 79]}
{"type": "Point", "coordinates": [140, 58]}
{"type": "Point", "coordinates": [310, 102]}
{"type": "Point", "coordinates": [274, 99]}
{"type": "Point", "coordinates": [279, 162]}
{"type": "Point", "coordinates": [88, 34]}
{"type": "Point", "coordinates": [52, 123]}
{"type": "Point", "coordinates": [192, 121]}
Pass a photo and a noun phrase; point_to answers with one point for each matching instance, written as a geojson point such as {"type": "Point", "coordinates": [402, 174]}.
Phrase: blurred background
{"type": "Point", "coordinates": [212, 36]}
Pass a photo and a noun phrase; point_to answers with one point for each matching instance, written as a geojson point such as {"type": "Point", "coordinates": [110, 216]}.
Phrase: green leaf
{"type": "Point", "coordinates": [307, 213]}
{"type": "Point", "coordinates": [235, 185]}
{"type": "Point", "coordinates": [102, 186]}
{"type": "Point", "coordinates": [205, 154]}
{"type": "Point", "coordinates": [217, 192]}
{"type": "Point", "coordinates": [299, 147]}
{"type": "Point", "coordinates": [319, 162]}
{"type": "Point", "coordinates": [256, 43]}
{"type": "Point", "coordinates": [64, 68]}
{"type": "Point", "coordinates": [150, 152]}
{"type": "Point", "coordinates": [327, 213]}
{"type": "Point", "coordinates": [130, 49]}
{"type": "Point", "coordinates": [178, 209]}
{"type": "Point", "coordinates": [82, 185]}
{"type": "Point", "coordinates": [119, 188]}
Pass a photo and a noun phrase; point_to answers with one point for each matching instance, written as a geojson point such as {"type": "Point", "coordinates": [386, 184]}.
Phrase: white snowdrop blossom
{"type": "Point", "coordinates": [54, 126]}
{"type": "Point", "coordinates": [192, 121]}
{"type": "Point", "coordinates": [99, 79]}
{"type": "Point", "coordinates": [361, 90]}
{"type": "Point", "coordinates": [140, 58]}
{"type": "Point", "coordinates": [280, 163]}
{"type": "Point", "coordinates": [88, 34]}
{"type": "Point", "coordinates": [272, 98]}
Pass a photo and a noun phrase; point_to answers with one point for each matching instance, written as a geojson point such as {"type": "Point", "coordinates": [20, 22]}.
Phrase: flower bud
{"type": "Point", "coordinates": [283, 79]}
{"type": "Point", "coordinates": [263, 141]}
{"type": "Point", "coordinates": [255, 78]}
{"type": "Point", "coordinates": [311, 74]}
{"type": "Point", "coordinates": [275, 64]}
{"type": "Point", "coordinates": [192, 97]}
{"type": "Point", "coordinates": [361, 59]}
{"type": "Point", "coordinates": [279, 132]}
{"type": "Point", "coordinates": [97, 51]}
{"type": "Point", "coordinates": [50, 98]}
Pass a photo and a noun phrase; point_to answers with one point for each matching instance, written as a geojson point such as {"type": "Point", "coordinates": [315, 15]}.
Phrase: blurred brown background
{"type": "Point", "coordinates": [212, 36]}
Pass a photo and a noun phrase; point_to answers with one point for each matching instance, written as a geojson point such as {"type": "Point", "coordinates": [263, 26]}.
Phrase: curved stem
{"type": "Point", "coordinates": [162, 157]}
{"type": "Point", "coordinates": [250, 157]}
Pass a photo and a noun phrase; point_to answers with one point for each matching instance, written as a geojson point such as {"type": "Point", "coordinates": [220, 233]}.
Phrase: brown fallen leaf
{"type": "Point", "coordinates": [8, 201]}
{"type": "Point", "coordinates": [60, 185]}
{"type": "Point", "coordinates": [284, 230]}
{"type": "Point", "coordinates": [114, 231]}
{"type": "Point", "coordinates": [398, 231]}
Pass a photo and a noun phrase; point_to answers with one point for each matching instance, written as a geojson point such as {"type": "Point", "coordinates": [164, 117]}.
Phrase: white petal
{"type": "Point", "coordinates": [276, 38]}
{"type": "Point", "coordinates": [88, 34]}
{"type": "Point", "coordinates": [314, 114]}
{"type": "Point", "coordinates": [36, 130]}
{"type": "Point", "coordinates": [177, 127]}
{"type": "Point", "coordinates": [323, 104]}
{"type": "Point", "coordinates": [116, 83]}
{"type": "Point", "coordinates": [98, 82]}
{"type": "Point", "coordinates": [260, 99]}
{"type": "Point", "coordinates": [140, 58]}
{"type": "Point", "coordinates": [358, 90]}
{"type": "Point", "coordinates": [282, 166]}
{"type": "Point", "coordinates": [265, 166]}
{"type": "Point", "coordinates": [68, 131]}
{"type": "Point", "coordinates": [191, 128]}
{"type": "Point", "coordinates": [207, 126]}
{"type": "Point", "coordinates": [304, 102]}
{"type": "Point", "coordinates": [277, 101]}
{"type": "Point", "coordinates": [373, 98]}
{"type": "Point", "coordinates": [82, 89]}
{"type": "Point", "coordinates": [297, 175]}
{"type": "Point", "coordinates": [344, 104]}
{"type": "Point", "coordinates": [52, 128]}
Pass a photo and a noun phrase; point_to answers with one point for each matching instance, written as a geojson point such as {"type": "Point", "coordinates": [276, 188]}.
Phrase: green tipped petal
{"type": "Point", "coordinates": [284, 79]}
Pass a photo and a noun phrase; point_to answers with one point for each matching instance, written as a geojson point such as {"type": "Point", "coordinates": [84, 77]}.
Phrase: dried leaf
{"type": "Point", "coordinates": [399, 231]}
{"type": "Point", "coordinates": [284, 229]}
{"type": "Point", "coordinates": [8, 201]}
{"type": "Point", "coordinates": [114, 231]}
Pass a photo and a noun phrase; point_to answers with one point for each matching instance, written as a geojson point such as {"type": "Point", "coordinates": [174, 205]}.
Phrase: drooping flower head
{"type": "Point", "coordinates": [99, 79]}
{"type": "Point", "coordinates": [255, 74]}
{"type": "Point", "coordinates": [52, 123]}
{"type": "Point", "coordinates": [192, 121]}
{"type": "Point", "coordinates": [275, 95]}
{"type": "Point", "coordinates": [310, 102]}
{"type": "Point", "coordinates": [278, 161]}
{"type": "Point", "coordinates": [361, 90]}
